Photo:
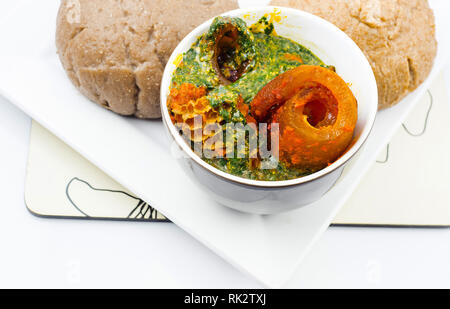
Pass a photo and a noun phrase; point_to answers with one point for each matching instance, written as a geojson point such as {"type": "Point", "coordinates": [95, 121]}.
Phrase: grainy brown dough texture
{"type": "Point", "coordinates": [397, 36]}
{"type": "Point", "coordinates": [115, 51]}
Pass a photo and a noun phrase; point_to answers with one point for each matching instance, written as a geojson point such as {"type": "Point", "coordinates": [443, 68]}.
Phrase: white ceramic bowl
{"type": "Point", "coordinates": [331, 45]}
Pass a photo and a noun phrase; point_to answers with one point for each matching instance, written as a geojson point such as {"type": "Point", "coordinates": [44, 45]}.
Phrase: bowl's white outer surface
{"type": "Point", "coordinates": [334, 47]}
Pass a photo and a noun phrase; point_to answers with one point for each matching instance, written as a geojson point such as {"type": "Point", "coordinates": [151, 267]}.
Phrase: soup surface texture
{"type": "Point", "coordinates": [258, 105]}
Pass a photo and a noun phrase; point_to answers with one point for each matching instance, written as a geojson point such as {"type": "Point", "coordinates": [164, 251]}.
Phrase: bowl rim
{"type": "Point", "coordinates": [186, 43]}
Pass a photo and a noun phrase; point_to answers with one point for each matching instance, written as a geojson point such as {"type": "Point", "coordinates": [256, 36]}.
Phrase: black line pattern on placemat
{"type": "Point", "coordinates": [388, 150]}
{"type": "Point", "coordinates": [140, 212]}
{"type": "Point", "coordinates": [427, 117]}
{"type": "Point", "coordinates": [425, 127]}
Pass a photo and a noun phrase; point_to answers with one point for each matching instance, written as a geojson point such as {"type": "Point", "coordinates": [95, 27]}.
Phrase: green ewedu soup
{"type": "Point", "coordinates": [266, 55]}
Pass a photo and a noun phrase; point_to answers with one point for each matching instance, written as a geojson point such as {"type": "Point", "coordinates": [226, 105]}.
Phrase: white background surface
{"type": "Point", "coordinates": [50, 253]}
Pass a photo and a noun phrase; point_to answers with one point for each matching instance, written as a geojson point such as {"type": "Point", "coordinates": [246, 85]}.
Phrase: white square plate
{"type": "Point", "coordinates": [136, 153]}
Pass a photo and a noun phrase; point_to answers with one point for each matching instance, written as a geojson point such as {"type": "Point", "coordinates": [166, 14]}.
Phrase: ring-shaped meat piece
{"type": "Point", "coordinates": [317, 115]}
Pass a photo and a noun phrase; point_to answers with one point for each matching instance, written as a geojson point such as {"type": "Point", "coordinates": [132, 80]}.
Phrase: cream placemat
{"type": "Point", "coordinates": [407, 186]}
